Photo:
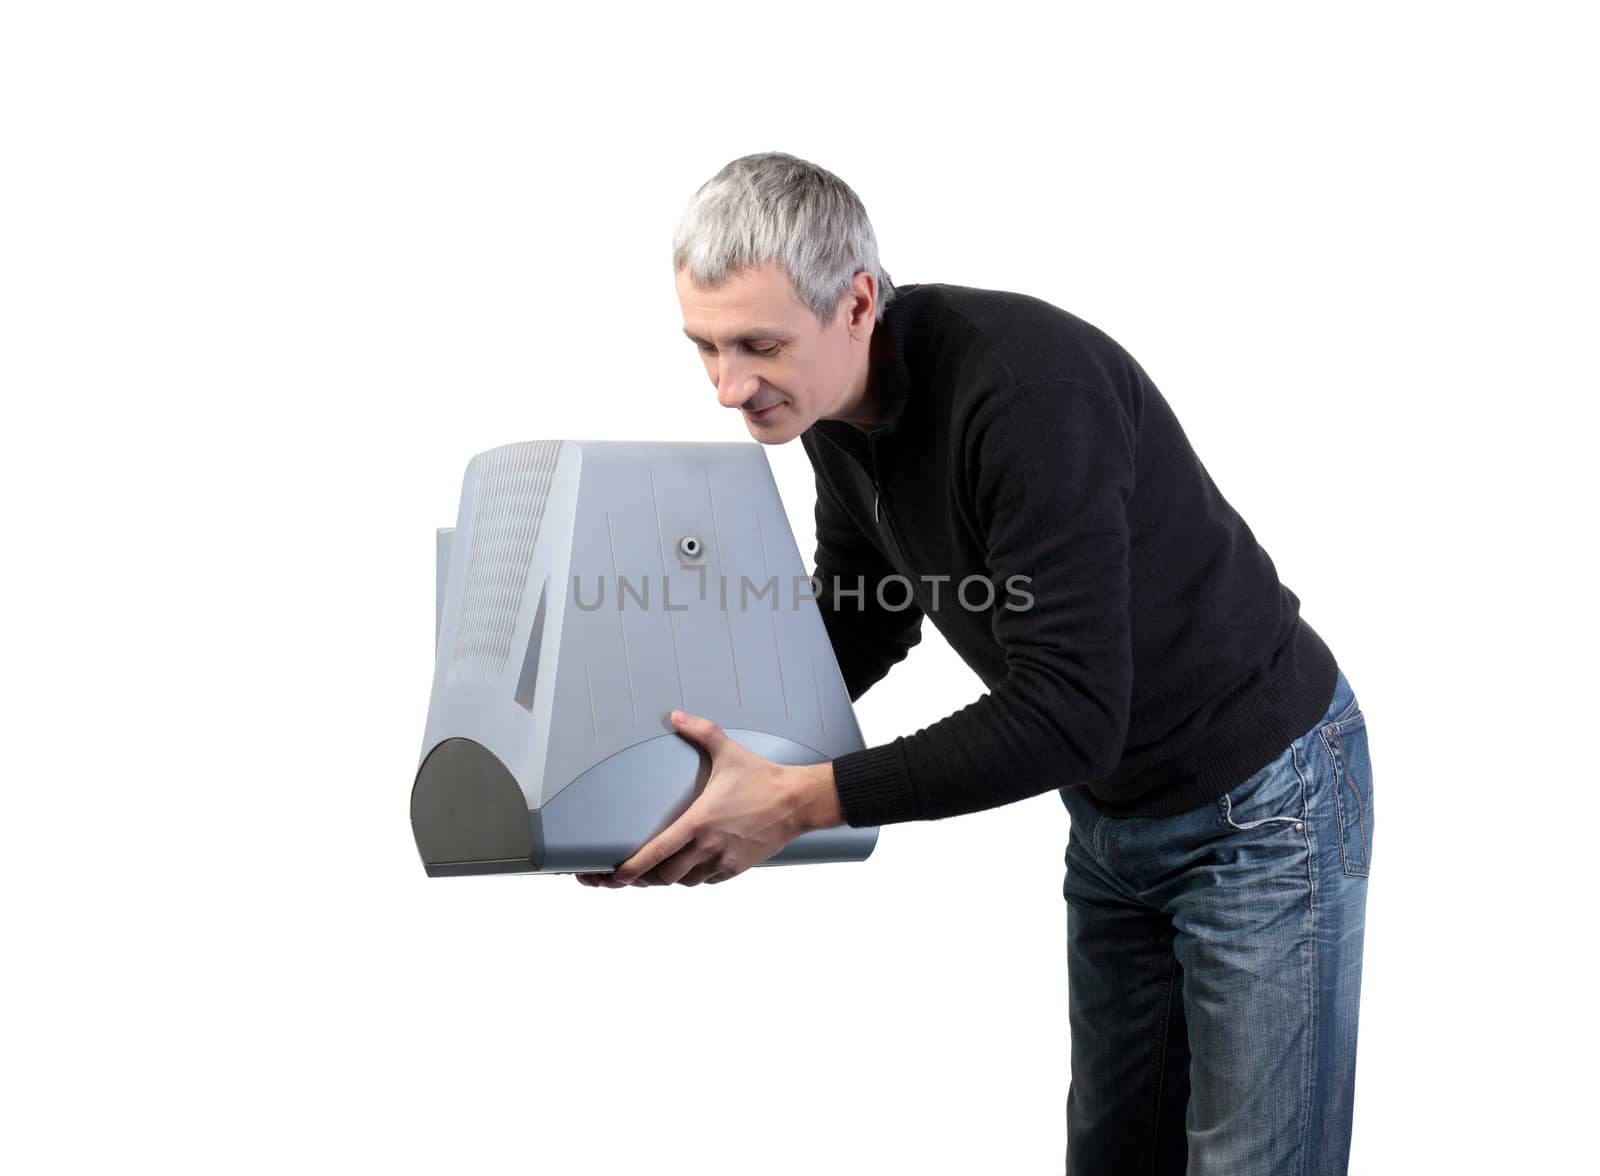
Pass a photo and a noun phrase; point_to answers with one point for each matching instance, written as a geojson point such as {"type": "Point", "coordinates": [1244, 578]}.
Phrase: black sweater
{"type": "Point", "coordinates": [1133, 636]}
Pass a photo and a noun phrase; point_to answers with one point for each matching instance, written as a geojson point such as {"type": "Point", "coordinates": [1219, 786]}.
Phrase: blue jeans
{"type": "Point", "coordinates": [1214, 969]}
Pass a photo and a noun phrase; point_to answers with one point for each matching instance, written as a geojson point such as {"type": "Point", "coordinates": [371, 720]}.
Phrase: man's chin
{"type": "Point", "coordinates": [771, 434]}
{"type": "Point", "coordinates": [775, 427]}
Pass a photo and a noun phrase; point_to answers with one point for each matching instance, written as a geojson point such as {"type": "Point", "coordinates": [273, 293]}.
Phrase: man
{"type": "Point", "coordinates": [1210, 753]}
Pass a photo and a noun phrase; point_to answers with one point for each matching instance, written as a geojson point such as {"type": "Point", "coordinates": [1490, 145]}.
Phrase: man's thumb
{"type": "Point", "coordinates": [702, 730]}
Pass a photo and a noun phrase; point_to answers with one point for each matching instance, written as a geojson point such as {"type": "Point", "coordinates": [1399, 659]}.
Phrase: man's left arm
{"type": "Point", "coordinates": [1052, 469]}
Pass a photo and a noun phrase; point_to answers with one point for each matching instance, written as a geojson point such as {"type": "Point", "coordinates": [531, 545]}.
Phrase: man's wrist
{"type": "Point", "coordinates": [816, 798]}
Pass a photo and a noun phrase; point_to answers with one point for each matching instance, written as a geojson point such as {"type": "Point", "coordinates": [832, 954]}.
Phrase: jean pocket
{"type": "Point", "coordinates": [1345, 741]}
{"type": "Point", "coordinates": [1272, 798]}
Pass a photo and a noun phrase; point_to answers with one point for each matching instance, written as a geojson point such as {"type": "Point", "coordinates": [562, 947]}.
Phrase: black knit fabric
{"type": "Point", "coordinates": [1030, 492]}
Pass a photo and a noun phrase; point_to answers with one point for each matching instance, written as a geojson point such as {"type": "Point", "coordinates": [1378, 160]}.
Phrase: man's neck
{"type": "Point", "coordinates": [868, 413]}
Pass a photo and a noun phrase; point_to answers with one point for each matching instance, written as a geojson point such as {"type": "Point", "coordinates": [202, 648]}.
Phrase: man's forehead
{"type": "Point", "coordinates": [758, 305]}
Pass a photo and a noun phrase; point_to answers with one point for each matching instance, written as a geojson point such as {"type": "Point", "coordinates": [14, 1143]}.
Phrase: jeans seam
{"type": "Point", "coordinates": [1161, 1061]}
{"type": "Point", "coordinates": [1308, 1051]}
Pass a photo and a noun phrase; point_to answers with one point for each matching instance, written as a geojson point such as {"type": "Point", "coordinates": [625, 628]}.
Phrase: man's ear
{"type": "Point", "coordinates": [862, 304]}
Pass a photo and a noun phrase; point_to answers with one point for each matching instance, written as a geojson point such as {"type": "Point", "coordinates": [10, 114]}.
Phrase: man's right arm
{"type": "Point", "coordinates": [867, 637]}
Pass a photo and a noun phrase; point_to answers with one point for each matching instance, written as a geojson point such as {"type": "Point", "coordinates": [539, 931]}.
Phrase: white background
{"type": "Point", "coordinates": [270, 274]}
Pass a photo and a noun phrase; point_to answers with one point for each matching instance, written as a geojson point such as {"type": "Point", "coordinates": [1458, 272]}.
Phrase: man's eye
{"type": "Point", "coordinates": [764, 352]}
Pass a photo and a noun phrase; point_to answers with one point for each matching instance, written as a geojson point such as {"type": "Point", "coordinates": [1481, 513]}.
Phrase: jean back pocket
{"type": "Point", "coordinates": [1345, 741]}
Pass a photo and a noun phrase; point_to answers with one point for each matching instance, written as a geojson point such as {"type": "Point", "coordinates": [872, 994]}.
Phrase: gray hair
{"type": "Point", "coordinates": [774, 208]}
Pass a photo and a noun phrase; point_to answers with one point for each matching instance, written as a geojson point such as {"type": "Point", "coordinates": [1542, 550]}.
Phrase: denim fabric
{"type": "Point", "coordinates": [1214, 969]}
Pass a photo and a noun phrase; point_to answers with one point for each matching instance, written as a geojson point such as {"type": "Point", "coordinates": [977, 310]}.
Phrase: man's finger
{"type": "Point", "coordinates": [667, 843]}
{"type": "Point", "coordinates": [703, 731]}
{"type": "Point", "coordinates": [699, 873]}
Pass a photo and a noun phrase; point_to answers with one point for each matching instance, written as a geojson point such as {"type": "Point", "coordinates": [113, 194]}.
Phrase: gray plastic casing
{"type": "Point", "coordinates": [588, 589]}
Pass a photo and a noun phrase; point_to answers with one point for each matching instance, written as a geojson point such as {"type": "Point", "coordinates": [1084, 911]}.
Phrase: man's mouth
{"type": "Point", "coordinates": [762, 411]}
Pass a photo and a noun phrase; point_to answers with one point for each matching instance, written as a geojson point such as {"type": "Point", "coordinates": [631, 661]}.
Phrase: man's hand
{"type": "Point", "coordinates": [749, 809]}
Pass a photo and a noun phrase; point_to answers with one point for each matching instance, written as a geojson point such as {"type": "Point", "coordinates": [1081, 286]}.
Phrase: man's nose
{"type": "Point", "coordinates": [735, 384]}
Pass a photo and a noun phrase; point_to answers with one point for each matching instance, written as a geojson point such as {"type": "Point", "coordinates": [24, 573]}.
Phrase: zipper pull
{"type": "Point", "coordinates": [874, 506]}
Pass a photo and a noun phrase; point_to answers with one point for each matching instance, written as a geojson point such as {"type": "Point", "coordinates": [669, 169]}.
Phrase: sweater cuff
{"type": "Point", "coordinates": [874, 786]}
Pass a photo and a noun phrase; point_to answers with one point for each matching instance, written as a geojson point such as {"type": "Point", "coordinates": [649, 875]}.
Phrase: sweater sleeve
{"type": "Point", "coordinates": [868, 636]}
{"type": "Point", "coordinates": [1050, 471]}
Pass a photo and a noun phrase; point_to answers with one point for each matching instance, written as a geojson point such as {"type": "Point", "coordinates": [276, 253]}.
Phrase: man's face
{"type": "Point", "coordinates": [769, 357]}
